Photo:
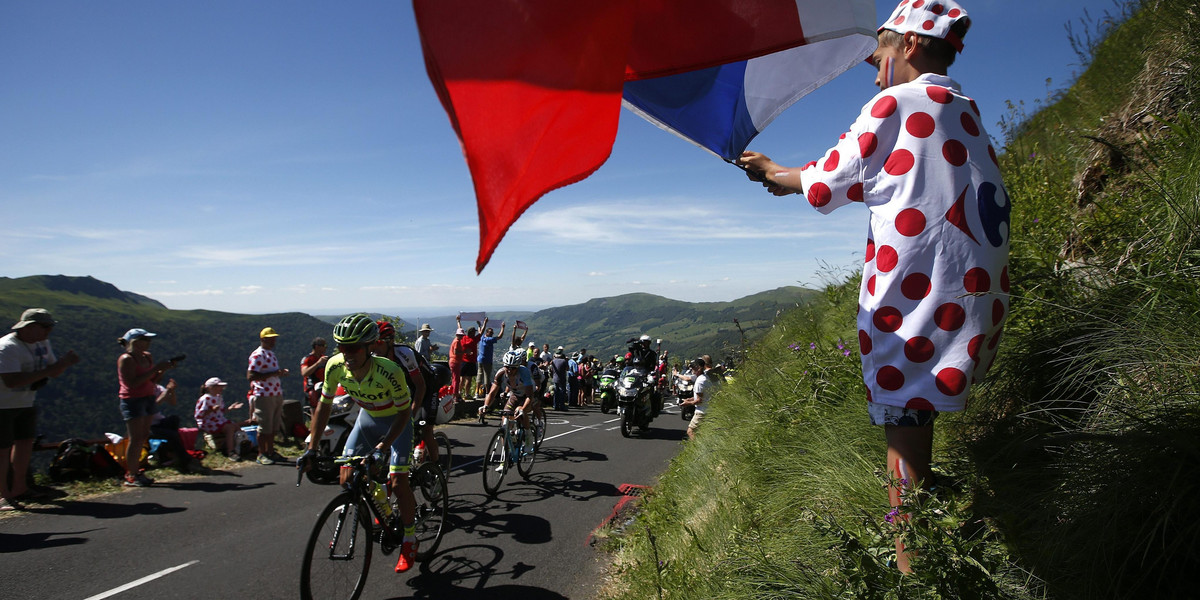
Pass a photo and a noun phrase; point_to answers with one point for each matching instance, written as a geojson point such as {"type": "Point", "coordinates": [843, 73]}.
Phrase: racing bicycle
{"type": "Point", "coordinates": [337, 556]}
{"type": "Point", "coordinates": [512, 445]}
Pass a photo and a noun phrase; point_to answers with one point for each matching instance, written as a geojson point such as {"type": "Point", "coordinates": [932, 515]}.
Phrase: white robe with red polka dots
{"type": "Point", "coordinates": [935, 284]}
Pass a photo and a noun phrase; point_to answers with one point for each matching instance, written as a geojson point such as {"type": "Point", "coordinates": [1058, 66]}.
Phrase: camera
{"type": "Point", "coordinates": [178, 358]}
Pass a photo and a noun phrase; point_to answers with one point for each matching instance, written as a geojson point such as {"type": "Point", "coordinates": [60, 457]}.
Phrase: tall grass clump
{"type": "Point", "coordinates": [1087, 439]}
{"type": "Point", "coordinates": [1074, 471]}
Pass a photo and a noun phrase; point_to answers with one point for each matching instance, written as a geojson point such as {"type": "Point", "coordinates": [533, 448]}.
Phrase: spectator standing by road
{"type": "Point", "coordinates": [264, 373]}
{"type": "Point", "coordinates": [456, 362]}
{"type": "Point", "coordinates": [935, 283]}
{"type": "Point", "coordinates": [312, 371]}
{"type": "Point", "coordinates": [423, 346]}
{"type": "Point", "coordinates": [573, 388]}
{"type": "Point", "coordinates": [559, 376]}
{"type": "Point", "coordinates": [487, 345]}
{"type": "Point", "coordinates": [701, 391]}
{"type": "Point", "coordinates": [26, 362]}
{"type": "Point", "coordinates": [470, 352]}
{"type": "Point", "coordinates": [137, 375]}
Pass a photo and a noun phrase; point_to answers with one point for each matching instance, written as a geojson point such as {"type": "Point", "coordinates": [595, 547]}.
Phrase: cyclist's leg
{"type": "Point", "coordinates": [398, 469]}
{"type": "Point", "coordinates": [513, 403]}
{"type": "Point", "coordinates": [365, 428]}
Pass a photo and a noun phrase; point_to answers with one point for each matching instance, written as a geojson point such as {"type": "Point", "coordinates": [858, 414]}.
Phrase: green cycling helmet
{"type": "Point", "coordinates": [355, 329]}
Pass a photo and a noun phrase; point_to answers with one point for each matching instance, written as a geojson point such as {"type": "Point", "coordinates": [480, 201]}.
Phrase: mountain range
{"type": "Point", "coordinates": [92, 314]}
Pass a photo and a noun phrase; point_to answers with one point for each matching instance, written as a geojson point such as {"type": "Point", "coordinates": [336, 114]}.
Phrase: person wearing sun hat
{"type": "Point", "coordinates": [137, 380]}
{"type": "Point", "coordinates": [935, 283]}
{"type": "Point", "coordinates": [210, 415]}
{"type": "Point", "coordinates": [27, 362]}
{"type": "Point", "coordinates": [266, 390]}
{"type": "Point", "coordinates": [423, 346]}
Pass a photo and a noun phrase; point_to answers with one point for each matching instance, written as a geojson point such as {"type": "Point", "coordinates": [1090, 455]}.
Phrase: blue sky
{"type": "Point", "coordinates": [270, 156]}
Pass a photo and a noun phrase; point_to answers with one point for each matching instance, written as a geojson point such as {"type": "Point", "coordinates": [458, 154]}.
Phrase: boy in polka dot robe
{"type": "Point", "coordinates": [935, 282]}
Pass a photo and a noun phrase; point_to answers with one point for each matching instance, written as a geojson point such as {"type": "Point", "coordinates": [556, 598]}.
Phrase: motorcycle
{"type": "Point", "coordinates": [638, 400]}
{"type": "Point", "coordinates": [683, 391]}
{"type": "Point", "coordinates": [342, 415]}
{"type": "Point", "coordinates": [608, 389]}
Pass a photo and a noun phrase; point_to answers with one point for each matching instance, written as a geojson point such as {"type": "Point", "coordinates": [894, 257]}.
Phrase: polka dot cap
{"type": "Point", "coordinates": [927, 17]}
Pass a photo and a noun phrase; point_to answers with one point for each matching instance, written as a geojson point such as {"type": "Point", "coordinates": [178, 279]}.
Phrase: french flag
{"type": "Point", "coordinates": [533, 88]}
{"type": "Point", "coordinates": [722, 108]}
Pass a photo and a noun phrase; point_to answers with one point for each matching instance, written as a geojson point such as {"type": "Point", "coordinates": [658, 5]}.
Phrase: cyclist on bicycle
{"type": "Point", "coordinates": [377, 385]}
{"type": "Point", "coordinates": [517, 384]}
{"type": "Point", "coordinates": [416, 373]}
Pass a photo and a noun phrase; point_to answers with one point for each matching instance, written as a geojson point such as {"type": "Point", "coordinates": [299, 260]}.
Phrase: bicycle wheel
{"type": "Point", "coordinates": [495, 464]}
{"type": "Point", "coordinates": [444, 457]}
{"type": "Point", "coordinates": [538, 421]}
{"type": "Point", "coordinates": [428, 485]}
{"type": "Point", "coordinates": [338, 554]}
{"type": "Point", "coordinates": [526, 453]}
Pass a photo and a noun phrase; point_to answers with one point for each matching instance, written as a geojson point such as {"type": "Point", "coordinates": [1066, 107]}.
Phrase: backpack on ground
{"type": "Point", "coordinates": [76, 460]}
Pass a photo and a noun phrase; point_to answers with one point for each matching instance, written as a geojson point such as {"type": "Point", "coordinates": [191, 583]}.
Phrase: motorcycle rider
{"type": "Point", "coordinates": [643, 357]}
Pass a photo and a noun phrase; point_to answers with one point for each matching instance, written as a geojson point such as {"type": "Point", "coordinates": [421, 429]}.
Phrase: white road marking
{"type": "Point", "coordinates": [145, 579]}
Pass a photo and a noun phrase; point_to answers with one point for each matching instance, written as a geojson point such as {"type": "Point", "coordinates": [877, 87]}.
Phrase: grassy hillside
{"type": "Point", "coordinates": [1073, 472]}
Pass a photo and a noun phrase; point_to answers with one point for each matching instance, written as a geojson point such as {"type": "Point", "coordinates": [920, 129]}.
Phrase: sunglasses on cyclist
{"type": "Point", "coordinates": [351, 348]}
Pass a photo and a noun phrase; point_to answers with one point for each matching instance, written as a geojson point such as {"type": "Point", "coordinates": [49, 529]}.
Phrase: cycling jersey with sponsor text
{"type": "Point", "coordinates": [381, 393]}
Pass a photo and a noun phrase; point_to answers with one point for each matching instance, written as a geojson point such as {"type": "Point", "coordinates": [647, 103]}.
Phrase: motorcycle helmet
{"type": "Point", "coordinates": [514, 358]}
{"type": "Point", "coordinates": [355, 329]}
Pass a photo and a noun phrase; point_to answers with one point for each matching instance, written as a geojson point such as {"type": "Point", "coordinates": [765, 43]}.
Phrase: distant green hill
{"type": "Point", "coordinates": [92, 314]}
{"type": "Point", "coordinates": [602, 325]}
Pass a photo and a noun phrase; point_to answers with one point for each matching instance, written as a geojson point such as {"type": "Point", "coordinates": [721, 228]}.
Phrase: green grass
{"type": "Point", "coordinates": [1073, 472]}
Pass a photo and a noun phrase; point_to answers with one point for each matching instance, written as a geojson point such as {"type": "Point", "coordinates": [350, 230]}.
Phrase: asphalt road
{"type": "Point", "coordinates": [240, 533]}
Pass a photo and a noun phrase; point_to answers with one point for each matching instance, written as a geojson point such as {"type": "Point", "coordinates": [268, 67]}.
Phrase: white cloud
{"type": "Point", "coordinates": [659, 221]}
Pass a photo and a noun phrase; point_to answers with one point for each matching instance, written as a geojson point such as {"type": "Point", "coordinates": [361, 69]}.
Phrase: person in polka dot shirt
{"type": "Point", "coordinates": [266, 391]}
{"type": "Point", "coordinates": [935, 282]}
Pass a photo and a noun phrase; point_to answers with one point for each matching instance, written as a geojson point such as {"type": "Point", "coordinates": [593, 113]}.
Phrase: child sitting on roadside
{"type": "Point", "coordinates": [210, 415]}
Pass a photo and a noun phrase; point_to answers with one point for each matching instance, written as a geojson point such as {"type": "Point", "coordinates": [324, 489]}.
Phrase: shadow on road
{"type": "Point", "coordinates": [19, 542]}
{"type": "Point", "coordinates": [470, 572]}
{"type": "Point", "coordinates": [472, 518]}
{"type": "Point", "coordinates": [658, 433]}
{"type": "Point", "coordinates": [214, 486]}
{"type": "Point", "coordinates": [106, 510]}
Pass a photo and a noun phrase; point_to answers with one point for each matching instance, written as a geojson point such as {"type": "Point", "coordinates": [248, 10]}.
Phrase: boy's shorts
{"type": "Point", "coordinates": [898, 416]}
{"type": "Point", "coordinates": [17, 424]}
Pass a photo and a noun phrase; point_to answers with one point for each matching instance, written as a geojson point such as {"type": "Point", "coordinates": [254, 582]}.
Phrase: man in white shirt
{"type": "Point", "coordinates": [701, 391]}
{"type": "Point", "coordinates": [26, 363]}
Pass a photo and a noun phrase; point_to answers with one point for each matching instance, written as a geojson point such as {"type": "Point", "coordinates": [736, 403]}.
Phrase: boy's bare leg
{"type": "Point", "coordinates": [909, 452]}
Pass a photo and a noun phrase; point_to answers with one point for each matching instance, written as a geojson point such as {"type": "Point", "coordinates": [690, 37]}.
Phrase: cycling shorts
{"type": "Point", "coordinates": [369, 430]}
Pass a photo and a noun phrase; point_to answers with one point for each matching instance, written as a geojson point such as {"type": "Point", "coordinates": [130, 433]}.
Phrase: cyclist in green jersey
{"type": "Point", "coordinates": [377, 385]}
